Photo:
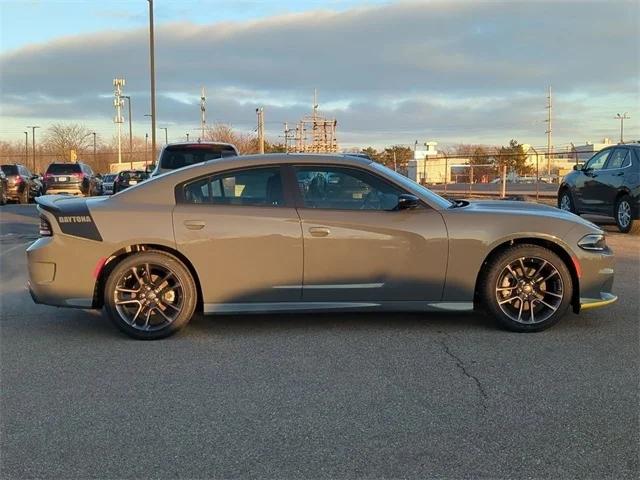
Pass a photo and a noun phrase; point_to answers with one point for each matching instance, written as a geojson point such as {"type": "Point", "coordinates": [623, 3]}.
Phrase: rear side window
{"type": "Point", "coordinates": [260, 187]}
{"type": "Point", "coordinates": [133, 175]}
{"type": "Point", "coordinates": [179, 156]}
{"type": "Point", "coordinates": [10, 169]}
{"type": "Point", "coordinates": [64, 168]}
{"type": "Point", "coordinates": [620, 158]}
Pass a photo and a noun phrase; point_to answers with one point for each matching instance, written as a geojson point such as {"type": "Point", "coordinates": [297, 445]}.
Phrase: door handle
{"type": "Point", "coordinates": [194, 224]}
{"type": "Point", "coordinates": [619, 174]}
{"type": "Point", "coordinates": [319, 231]}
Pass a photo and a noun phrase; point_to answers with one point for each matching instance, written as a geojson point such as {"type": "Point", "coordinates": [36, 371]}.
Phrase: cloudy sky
{"type": "Point", "coordinates": [390, 72]}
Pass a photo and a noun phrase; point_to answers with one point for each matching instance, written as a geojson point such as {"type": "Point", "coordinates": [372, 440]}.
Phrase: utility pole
{"type": "Point", "coordinates": [260, 113]}
{"type": "Point", "coordinates": [187, 136]}
{"type": "Point", "coordinates": [152, 64]}
{"type": "Point", "coordinates": [203, 110]}
{"type": "Point", "coordinates": [549, 131]}
{"type": "Point", "coordinates": [128, 98]}
{"type": "Point", "coordinates": [166, 135]}
{"type": "Point", "coordinates": [537, 173]}
{"type": "Point", "coordinates": [622, 118]}
{"type": "Point", "coordinates": [33, 143]}
{"type": "Point", "coordinates": [118, 83]}
{"type": "Point", "coordinates": [26, 147]}
{"type": "Point", "coordinates": [94, 147]}
{"type": "Point", "coordinates": [286, 138]}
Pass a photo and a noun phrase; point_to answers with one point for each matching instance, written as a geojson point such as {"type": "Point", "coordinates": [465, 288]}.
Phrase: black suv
{"type": "Point", "coordinates": [608, 184]}
{"type": "Point", "coordinates": [72, 179]}
{"type": "Point", "coordinates": [22, 185]}
{"type": "Point", "coordinates": [127, 178]}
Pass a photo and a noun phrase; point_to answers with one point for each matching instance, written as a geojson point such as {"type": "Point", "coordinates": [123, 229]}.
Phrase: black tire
{"type": "Point", "coordinates": [626, 223]}
{"type": "Point", "coordinates": [565, 201]}
{"type": "Point", "coordinates": [3, 197]}
{"type": "Point", "coordinates": [156, 260]}
{"type": "Point", "coordinates": [533, 256]}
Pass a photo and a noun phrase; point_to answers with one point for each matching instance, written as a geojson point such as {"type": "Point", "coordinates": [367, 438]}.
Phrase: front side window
{"type": "Point", "coordinates": [260, 187]}
{"type": "Point", "coordinates": [341, 188]}
{"type": "Point", "coordinates": [620, 158]}
{"type": "Point", "coordinates": [597, 162]}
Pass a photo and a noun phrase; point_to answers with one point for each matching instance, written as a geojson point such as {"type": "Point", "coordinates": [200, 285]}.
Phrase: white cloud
{"type": "Point", "coordinates": [465, 70]}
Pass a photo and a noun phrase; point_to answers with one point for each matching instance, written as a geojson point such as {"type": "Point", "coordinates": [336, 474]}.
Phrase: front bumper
{"type": "Point", "coordinates": [604, 300]}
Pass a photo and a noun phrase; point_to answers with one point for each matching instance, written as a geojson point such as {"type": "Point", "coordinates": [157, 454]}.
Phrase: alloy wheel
{"type": "Point", "coordinates": [529, 290]}
{"type": "Point", "coordinates": [624, 213]}
{"type": "Point", "coordinates": [565, 203]}
{"type": "Point", "coordinates": [148, 297]}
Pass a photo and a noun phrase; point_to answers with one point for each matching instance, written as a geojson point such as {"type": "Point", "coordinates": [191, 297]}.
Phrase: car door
{"type": "Point", "coordinates": [358, 247]}
{"type": "Point", "coordinates": [243, 235]}
{"type": "Point", "coordinates": [612, 176]}
{"type": "Point", "coordinates": [28, 181]}
{"type": "Point", "coordinates": [590, 188]}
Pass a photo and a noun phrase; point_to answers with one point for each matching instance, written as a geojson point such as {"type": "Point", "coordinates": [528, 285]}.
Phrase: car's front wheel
{"type": "Point", "coordinates": [624, 216]}
{"type": "Point", "coordinates": [526, 288]}
{"type": "Point", "coordinates": [150, 295]}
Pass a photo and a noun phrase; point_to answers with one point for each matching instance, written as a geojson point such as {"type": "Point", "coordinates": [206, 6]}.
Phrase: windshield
{"type": "Point", "coordinates": [63, 168]}
{"type": "Point", "coordinates": [411, 185]}
{"type": "Point", "coordinates": [133, 175]}
{"type": "Point", "coordinates": [109, 177]}
{"type": "Point", "coordinates": [178, 156]}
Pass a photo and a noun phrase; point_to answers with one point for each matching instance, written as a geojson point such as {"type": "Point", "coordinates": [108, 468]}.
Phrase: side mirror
{"type": "Point", "coordinates": [578, 166]}
{"type": "Point", "coordinates": [407, 201]}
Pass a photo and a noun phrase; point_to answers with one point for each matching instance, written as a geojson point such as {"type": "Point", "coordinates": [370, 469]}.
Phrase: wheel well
{"type": "Point", "coordinates": [116, 257]}
{"type": "Point", "coordinates": [554, 247]}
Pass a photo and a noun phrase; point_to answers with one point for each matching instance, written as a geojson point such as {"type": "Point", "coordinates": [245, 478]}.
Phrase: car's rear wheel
{"type": "Point", "coordinates": [624, 216]}
{"type": "Point", "coordinates": [24, 196]}
{"type": "Point", "coordinates": [527, 288]}
{"type": "Point", "coordinates": [3, 197]}
{"type": "Point", "coordinates": [565, 202]}
{"type": "Point", "coordinates": [150, 295]}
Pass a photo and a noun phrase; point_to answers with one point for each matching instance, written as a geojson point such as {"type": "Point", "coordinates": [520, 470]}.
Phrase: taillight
{"type": "Point", "coordinates": [45, 227]}
{"type": "Point", "coordinates": [17, 179]}
{"type": "Point", "coordinates": [78, 176]}
{"type": "Point", "coordinates": [47, 176]}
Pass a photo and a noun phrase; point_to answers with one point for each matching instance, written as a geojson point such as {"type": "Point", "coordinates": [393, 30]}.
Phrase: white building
{"type": "Point", "coordinates": [418, 167]}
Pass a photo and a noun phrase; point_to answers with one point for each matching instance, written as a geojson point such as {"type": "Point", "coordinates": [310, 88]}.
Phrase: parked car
{"type": "Point", "coordinates": [22, 185]}
{"type": "Point", "coordinates": [107, 183]}
{"type": "Point", "coordinates": [608, 184]}
{"type": "Point", "coordinates": [3, 188]}
{"type": "Point", "coordinates": [71, 179]}
{"type": "Point", "coordinates": [127, 178]}
{"type": "Point", "coordinates": [178, 155]}
{"type": "Point", "coordinates": [239, 235]}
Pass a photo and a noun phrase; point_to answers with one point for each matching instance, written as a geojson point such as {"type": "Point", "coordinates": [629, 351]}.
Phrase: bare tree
{"type": "Point", "coordinates": [244, 142]}
{"type": "Point", "coordinates": [61, 138]}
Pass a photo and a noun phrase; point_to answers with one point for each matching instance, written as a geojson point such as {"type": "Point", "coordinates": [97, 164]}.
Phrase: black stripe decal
{"type": "Point", "coordinates": [75, 219]}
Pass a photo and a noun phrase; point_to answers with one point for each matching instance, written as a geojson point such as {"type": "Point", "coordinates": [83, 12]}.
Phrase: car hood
{"type": "Point", "coordinates": [524, 210]}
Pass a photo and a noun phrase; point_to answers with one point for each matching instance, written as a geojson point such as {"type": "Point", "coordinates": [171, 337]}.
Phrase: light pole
{"type": "Point", "coordinates": [94, 147]}
{"type": "Point", "coordinates": [622, 118]}
{"type": "Point", "coordinates": [128, 98]}
{"type": "Point", "coordinates": [187, 136]}
{"type": "Point", "coordinates": [537, 174]}
{"type": "Point", "coordinates": [33, 143]}
{"type": "Point", "coordinates": [166, 135]}
{"type": "Point", "coordinates": [26, 147]}
{"type": "Point", "coordinates": [152, 66]}
{"type": "Point", "coordinates": [146, 143]}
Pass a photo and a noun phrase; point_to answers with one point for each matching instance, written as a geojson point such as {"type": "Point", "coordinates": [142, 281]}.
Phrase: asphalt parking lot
{"type": "Point", "coordinates": [316, 396]}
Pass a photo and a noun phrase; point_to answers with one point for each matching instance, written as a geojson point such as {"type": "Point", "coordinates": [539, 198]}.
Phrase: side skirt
{"type": "Point", "coordinates": [280, 307]}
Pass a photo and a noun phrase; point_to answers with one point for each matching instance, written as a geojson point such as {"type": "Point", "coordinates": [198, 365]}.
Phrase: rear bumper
{"type": "Point", "coordinates": [70, 190]}
{"type": "Point", "coordinates": [61, 271]}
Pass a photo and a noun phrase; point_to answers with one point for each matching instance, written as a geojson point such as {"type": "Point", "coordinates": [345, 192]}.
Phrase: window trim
{"type": "Point", "coordinates": [287, 197]}
{"type": "Point", "coordinates": [299, 198]}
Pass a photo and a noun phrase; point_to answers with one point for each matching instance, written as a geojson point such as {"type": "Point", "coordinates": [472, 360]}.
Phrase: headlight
{"type": "Point", "coordinates": [593, 242]}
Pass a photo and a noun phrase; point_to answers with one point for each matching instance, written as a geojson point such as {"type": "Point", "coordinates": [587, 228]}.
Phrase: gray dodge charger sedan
{"type": "Point", "coordinates": [291, 232]}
